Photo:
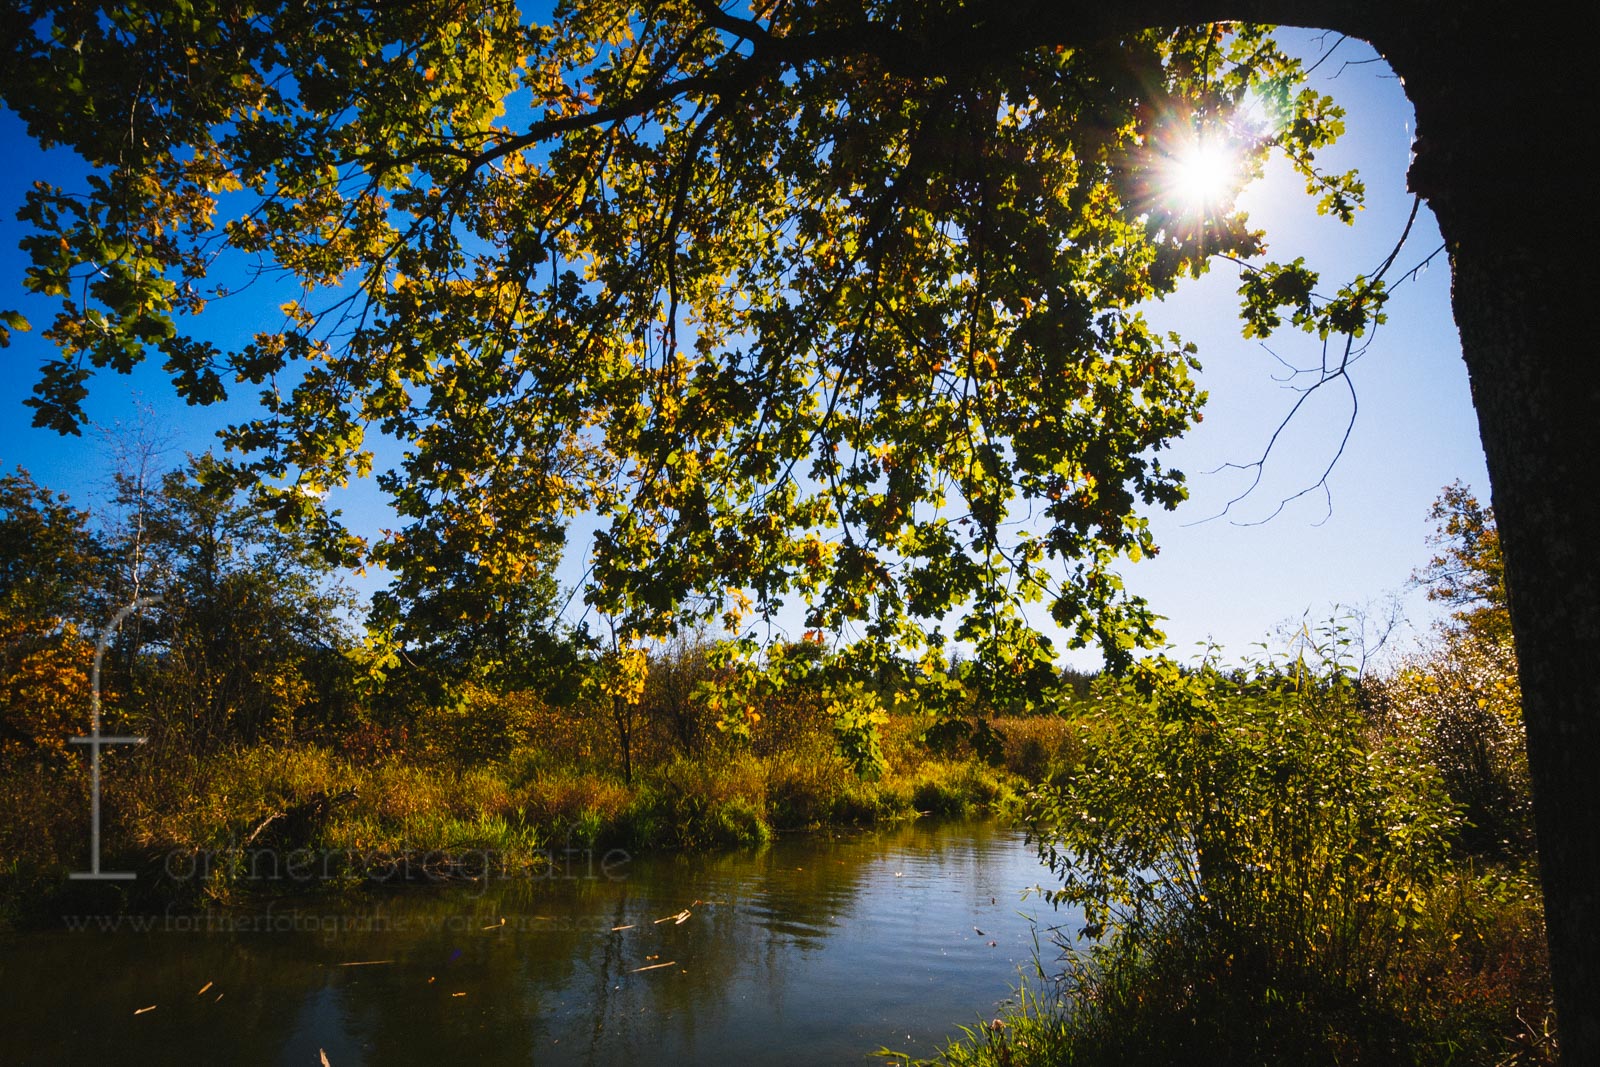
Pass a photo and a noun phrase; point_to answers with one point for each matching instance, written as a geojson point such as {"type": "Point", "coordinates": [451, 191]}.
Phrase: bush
{"type": "Point", "coordinates": [1039, 748]}
{"type": "Point", "coordinates": [941, 788]}
{"type": "Point", "coordinates": [708, 805]}
{"type": "Point", "coordinates": [1461, 705]}
{"type": "Point", "coordinates": [482, 726]}
{"type": "Point", "coordinates": [1248, 855]}
{"type": "Point", "coordinates": [809, 788]}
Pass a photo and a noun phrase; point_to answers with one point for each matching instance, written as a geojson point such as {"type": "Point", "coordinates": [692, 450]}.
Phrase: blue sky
{"type": "Point", "coordinates": [1415, 430]}
{"type": "Point", "coordinates": [1216, 578]}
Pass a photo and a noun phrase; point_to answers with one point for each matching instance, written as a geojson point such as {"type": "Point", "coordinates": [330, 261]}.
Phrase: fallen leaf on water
{"type": "Point", "coordinates": [323, 1055]}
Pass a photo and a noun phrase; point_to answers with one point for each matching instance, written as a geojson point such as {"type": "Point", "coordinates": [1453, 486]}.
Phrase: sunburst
{"type": "Point", "coordinates": [1202, 175]}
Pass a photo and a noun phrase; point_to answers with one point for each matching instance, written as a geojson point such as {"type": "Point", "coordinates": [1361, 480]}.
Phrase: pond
{"type": "Point", "coordinates": [816, 950]}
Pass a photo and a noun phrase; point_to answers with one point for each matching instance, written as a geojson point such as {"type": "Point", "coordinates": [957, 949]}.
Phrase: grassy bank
{"type": "Point", "coordinates": [245, 820]}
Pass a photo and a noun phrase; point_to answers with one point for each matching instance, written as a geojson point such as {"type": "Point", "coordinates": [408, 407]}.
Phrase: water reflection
{"type": "Point", "coordinates": [815, 950]}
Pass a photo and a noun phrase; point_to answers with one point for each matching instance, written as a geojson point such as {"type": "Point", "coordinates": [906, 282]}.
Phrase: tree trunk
{"type": "Point", "coordinates": [1495, 159]}
{"type": "Point", "coordinates": [1537, 394]}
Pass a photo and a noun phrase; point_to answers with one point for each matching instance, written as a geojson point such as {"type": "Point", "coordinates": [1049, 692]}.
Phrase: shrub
{"type": "Point", "coordinates": [942, 788]}
{"type": "Point", "coordinates": [1461, 705]}
{"type": "Point", "coordinates": [1247, 854]}
{"type": "Point", "coordinates": [807, 788]}
{"type": "Point", "coordinates": [679, 721]}
{"type": "Point", "coordinates": [481, 726]}
{"type": "Point", "coordinates": [709, 805]}
{"type": "Point", "coordinates": [1038, 748]}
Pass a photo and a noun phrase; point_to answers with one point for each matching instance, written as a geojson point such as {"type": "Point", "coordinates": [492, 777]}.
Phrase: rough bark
{"type": "Point", "coordinates": [1537, 394]}
{"type": "Point", "coordinates": [1496, 159]}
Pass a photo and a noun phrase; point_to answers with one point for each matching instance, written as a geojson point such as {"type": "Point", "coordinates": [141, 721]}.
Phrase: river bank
{"type": "Point", "coordinates": [298, 818]}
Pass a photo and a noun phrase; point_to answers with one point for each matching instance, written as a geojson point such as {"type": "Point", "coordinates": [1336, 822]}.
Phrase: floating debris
{"type": "Point", "coordinates": [323, 1055]}
{"type": "Point", "coordinates": [458, 994]}
{"type": "Point", "coordinates": [141, 1011]}
{"type": "Point", "coordinates": [654, 967]}
{"type": "Point", "coordinates": [365, 963]}
{"type": "Point", "coordinates": [677, 920]}
{"type": "Point", "coordinates": [498, 925]}
{"type": "Point", "coordinates": [630, 926]}
{"type": "Point", "coordinates": [203, 988]}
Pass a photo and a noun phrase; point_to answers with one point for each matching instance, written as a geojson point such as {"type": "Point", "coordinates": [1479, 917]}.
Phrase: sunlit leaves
{"type": "Point", "coordinates": [1266, 292]}
{"type": "Point", "coordinates": [790, 310]}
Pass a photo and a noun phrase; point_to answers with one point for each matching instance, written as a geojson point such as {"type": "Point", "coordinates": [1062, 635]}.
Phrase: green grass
{"type": "Point", "coordinates": [215, 816]}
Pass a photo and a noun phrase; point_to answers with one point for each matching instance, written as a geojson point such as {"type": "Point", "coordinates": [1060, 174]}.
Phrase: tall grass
{"type": "Point", "coordinates": [222, 819]}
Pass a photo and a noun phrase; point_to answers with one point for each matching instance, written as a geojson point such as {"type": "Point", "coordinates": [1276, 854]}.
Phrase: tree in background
{"type": "Point", "coordinates": [51, 570]}
{"type": "Point", "coordinates": [471, 614]}
{"type": "Point", "coordinates": [1462, 700]}
{"type": "Point", "coordinates": [1469, 570]}
{"type": "Point", "coordinates": [248, 625]}
{"type": "Point", "coordinates": [52, 564]}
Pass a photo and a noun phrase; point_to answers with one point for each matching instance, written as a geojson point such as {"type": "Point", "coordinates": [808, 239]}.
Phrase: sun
{"type": "Point", "coordinates": [1202, 174]}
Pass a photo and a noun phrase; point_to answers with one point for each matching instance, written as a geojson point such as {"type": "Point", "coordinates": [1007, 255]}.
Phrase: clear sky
{"type": "Point", "coordinates": [1216, 577]}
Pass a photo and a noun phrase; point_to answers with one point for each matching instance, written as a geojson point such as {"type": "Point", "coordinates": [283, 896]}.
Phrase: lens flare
{"type": "Point", "coordinates": [1202, 175]}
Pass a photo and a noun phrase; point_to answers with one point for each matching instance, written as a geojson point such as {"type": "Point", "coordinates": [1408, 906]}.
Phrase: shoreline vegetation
{"type": "Point", "coordinates": [1279, 865]}
{"type": "Point", "coordinates": [247, 821]}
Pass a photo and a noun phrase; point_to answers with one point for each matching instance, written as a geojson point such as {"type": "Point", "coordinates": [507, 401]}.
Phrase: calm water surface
{"type": "Point", "coordinates": [812, 951]}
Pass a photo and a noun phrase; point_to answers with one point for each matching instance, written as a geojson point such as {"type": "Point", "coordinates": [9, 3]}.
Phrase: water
{"type": "Point", "coordinates": [812, 951]}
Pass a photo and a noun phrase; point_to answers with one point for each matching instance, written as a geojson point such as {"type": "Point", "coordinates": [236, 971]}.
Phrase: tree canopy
{"type": "Point", "coordinates": [795, 312]}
